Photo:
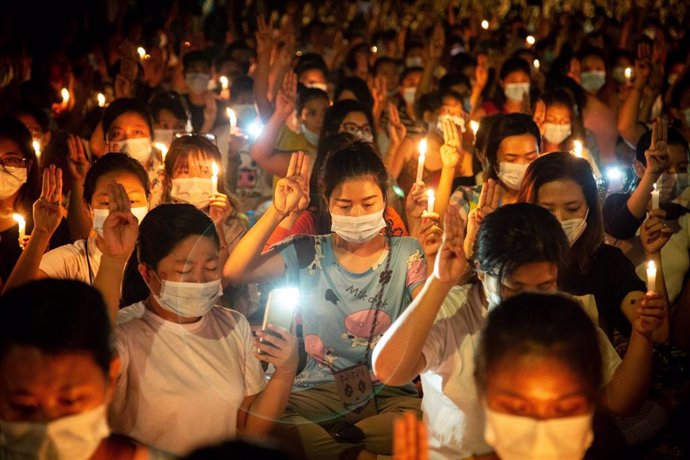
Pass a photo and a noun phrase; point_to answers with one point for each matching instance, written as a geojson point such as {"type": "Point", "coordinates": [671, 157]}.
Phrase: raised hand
{"type": "Point", "coordinates": [430, 234]}
{"type": "Point", "coordinates": [47, 209]}
{"type": "Point", "coordinates": [488, 203]}
{"type": "Point", "coordinates": [277, 347]}
{"type": "Point", "coordinates": [264, 37]}
{"type": "Point", "coordinates": [286, 99]}
{"type": "Point", "coordinates": [437, 43]}
{"type": "Point", "coordinates": [450, 149]}
{"type": "Point", "coordinates": [396, 129]}
{"type": "Point", "coordinates": [658, 159]}
{"type": "Point", "coordinates": [210, 111]}
{"type": "Point", "coordinates": [77, 163]}
{"type": "Point", "coordinates": [650, 314]}
{"type": "Point", "coordinates": [654, 234]}
{"type": "Point", "coordinates": [481, 72]}
{"type": "Point", "coordinates": [643, 66]}
{"type": "Point", "coordinates": [292, 192]}
{"type": "Point", "coordinates": [410, 438]}
{"type": "Point", "coordinates": [120, 229]}
{"type": "Point", "coordinates": [451, 262]}
{"type": "Point", "coordinates": [540, 115]}
{"type": "Point", "coordinates": [416, 201]}
{"type": "Point", "coordinates": [378, 92]}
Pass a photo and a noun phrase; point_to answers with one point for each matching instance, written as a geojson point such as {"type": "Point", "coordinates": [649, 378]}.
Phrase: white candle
{"type": "Point", "coordinates": [628, 74]}
{"type": "Point", "coordinates": [101, 99]}
{"type": "Point", "coordinates": [224, 83]}
{"type": "Point", "coordinates": [485, 24]}
{"type": "Point", "coordinates": [421, 159]}
{"type": "Point", "coordinates": [577, 148]}
{"type": "Point", "coordinates": [37, 148]}
{"type": "Point", "coordinates": [651, 276]}
{"type": "Point", "coordinates": [214, 178]}
{"type": "Point", "coordinates": [474, 126]}
{"type": "Point", "coordinates": [232, 118]}
{"type": "Point", "coordinates": [64, 92]}
{"type": "Point", "coordinates": [431, 199]}
{"type": "Point", "coordinates": [163, 149]}
{"type": "Point", "coordinates": [21, 222]}
{"type": "Point", "coordinates": [655, 198]}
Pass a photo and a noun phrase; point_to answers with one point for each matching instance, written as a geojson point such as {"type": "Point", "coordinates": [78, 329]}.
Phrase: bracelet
{"type": "Point", "coordinates": [283, 214]}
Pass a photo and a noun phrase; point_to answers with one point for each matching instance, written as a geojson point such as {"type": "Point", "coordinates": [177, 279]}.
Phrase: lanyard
{"type": "Point", "coordinates": [88, 261]}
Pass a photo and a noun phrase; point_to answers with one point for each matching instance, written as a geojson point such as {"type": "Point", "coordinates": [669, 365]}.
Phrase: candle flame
{"type": "Point", "coordinates": [101, 99]}
{"type": "Point", "coordinates": [141, 52]}
{"type": "Point", "coordinates": [537, 64]}
{"type": "Point", "coordinates": [224, 83]}
{"type": "Point", "coordinates": [64, 92]}
{"type": "Point", "coordinates": [422, 147]}
{"type": "Point", "coordinates": [530, 40]}
{"type": "Point", "coordinates": [485, 24]}
{"type": "Point", "coordinates": [231, 117]}
{"type": "Point", "coordinates": [37, 147]}
{"type": "Point", "coordinates": [162, 147]}
{"type": "Point", "coordinates": [654, 186]}
{"type": "Point", "coordinates": [214, 168]}
{"type": "Point", "coordinates": [577, 149]}
{"type": "Point", "coordinates": [18, 218]}
{"type": "Point", "coordinates": [474, 126]}
{"type": "Point", "coordinates": [628, 73]}
{"type": "Point", "coordinates": [651, 266]}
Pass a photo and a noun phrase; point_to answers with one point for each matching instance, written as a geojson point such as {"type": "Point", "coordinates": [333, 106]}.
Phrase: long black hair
{"type": "Point", "coordinates": [14, 130]}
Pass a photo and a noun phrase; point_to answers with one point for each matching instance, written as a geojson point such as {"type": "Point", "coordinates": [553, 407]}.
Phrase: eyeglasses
{"type": "Point", "coordinates": [209, 136]}
{"type": "Point", "coordinates": [354, 128]}
{"type": "Point", "coordinates": [14, 162]}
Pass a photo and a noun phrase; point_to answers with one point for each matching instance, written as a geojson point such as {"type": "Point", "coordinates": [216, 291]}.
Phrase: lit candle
{"type": "Point", "coordinates": [101, 99]}
{"type": "Point", "coordinates": [214, 178]}
{"type": "Point", "coordinates": [232, 118]}
{"type": "Point", "coordinates": [537, 64]}
{"type": "Point", "coordinates": [64, 92]}
{"type": "Point", "coordinates": [21, 222]}
{"type": "Point", "coordinates": [421, 159]}
{"type": "Point", "coordinates": [37, 148]}
{"type": "Point", "coordinates": [163, 149]}
{"type": "Point", "coordinates": [141, 52]}
{"type": "Point", "coordinates": [651, 276]}
{"type": "Point", "coordinates": [530, 40]}
{"type": "Point", "coordinates": [485, 24]}
{"type": "Point", "coordinates": [577, 148]}
{"type": "Point", "coordinates": [474, 126]}
{"type": "Point", "coordinates": [431, 200]}
{"type": "Point", "coordinates": [374, 50]}
{"type": "Point", "coordinates": [628, 74]}
{"type": "Point", "coordinates": [655, 198]}
{"type": "Point", "coordinates": [224, 83]}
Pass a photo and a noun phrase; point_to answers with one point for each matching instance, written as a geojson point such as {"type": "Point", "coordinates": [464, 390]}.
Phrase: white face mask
{"type": "Point", "coordinates": [415, 61]}
{"type": "Point", "coordinates": [193, 190]}
{"type": "Point", "coordinates": [409, 94]}
{"type": "Point", "coordinates": [555, 134]}
{"type": "Point", "coordinates": [11, 180]}
{"type": "Point", "coordinates": [74, 437]}
{"type": "Point", "coordinates": [490, 286]}
{"type": "Point", "coordinates": [138, 148]}
{"type": "Point", "coordinates": [188, 300]}
{"type": "Point", "coordinates": [516, 91]}
{"type": "Point", "coordinates": [524, 438]}
{"type": "Point", "coordinates": [100, 215]}
{"type": "Point", "coordinates": [592, 81]}
{"type": "Point", "coordinates": [197, 83]}
{"type": "Point", "coordinates": [322, 86]}
{"type": "Point", "coordinates": [309, 135]}
{"type": "Point", "coordinates": [164, 136]}
{"type": "Point", "coordinates": [670, 186]}
{"type": "Point", "coordinates": [358, 229]}
{"type": "Point", "coordinates": [511, 174]}
{"type": "Point", "coordinates": [574, 228]}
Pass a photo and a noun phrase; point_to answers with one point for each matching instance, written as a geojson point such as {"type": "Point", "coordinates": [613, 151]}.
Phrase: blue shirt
{"type": "Point", "coordinates": [337, 307]}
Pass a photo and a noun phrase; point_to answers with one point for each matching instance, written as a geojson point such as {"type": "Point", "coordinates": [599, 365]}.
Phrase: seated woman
{"type": "Point", "coordinates": [538, 371]}
{"type": "Point", "coordinates": [519, 248]}
{"type": "Point", "coordinates": [354, 283]}
{"type": "Point", "coordinates": [57, 375]}
{"type": "Point", "coordinates": [80, 260]}
{"type": "Point", "coordinates": [20, 185]}
{"type": "Point", "coordinates": [191, 372]}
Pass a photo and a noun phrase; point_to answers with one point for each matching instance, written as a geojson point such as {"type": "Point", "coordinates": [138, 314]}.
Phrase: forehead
{"type": "Point", "coordinates": [356, 117]}
{"type": "Point", "coordinates": [128, 180]}
{"type": "Point", "coordinates": [193, 248]}
{"type": "Point", "coordinates": [560, 191]}
{"type": "Point", "coordinates": [533, 274]}
{"type": "Point", "coordinates": [521, 143]}
{"type": "Point", "coordinates": [129, 119]}
{"type": "Point", "coordinates": [8, 146]}
{"type": "Point", "coordinates": [356, 188]}
{"type": "Point", "coordinates": [318, 103]}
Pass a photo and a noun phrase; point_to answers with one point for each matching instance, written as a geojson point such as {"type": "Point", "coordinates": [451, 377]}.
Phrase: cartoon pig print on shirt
{"type": "Point", "coordinates": [246, 173]}
{"type": "Point", "coordinates": [314, 346]}
{"type": "Point", "coordinates": [358, 326]}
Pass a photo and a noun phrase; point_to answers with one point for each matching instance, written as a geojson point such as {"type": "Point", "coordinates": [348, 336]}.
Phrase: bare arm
{"type": "Point", "coordinates": [264, 44]}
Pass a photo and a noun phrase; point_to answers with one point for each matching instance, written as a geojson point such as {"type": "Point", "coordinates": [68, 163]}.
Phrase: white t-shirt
{"type": "Point", "coordinates": [452, 409]}
{"type": "Point", "coordinates": [181, 385]}
{"type": "Point", "coordinates": [69, 261]}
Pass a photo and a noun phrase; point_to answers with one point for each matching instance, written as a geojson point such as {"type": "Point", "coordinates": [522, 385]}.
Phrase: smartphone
{"type": "Point", "coordinates": [280, 308]}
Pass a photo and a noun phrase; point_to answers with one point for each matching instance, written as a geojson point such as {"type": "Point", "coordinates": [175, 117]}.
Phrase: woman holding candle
{"type": "Point", "coordinates": [19, 187]}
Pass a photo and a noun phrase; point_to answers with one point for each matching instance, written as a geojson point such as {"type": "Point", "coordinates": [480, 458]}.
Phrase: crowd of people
{"type": "Point", "coordinates": [345, 230]}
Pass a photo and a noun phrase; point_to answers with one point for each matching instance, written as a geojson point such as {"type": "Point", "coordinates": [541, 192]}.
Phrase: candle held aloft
{"type": "Point", "coordinates": [21, 222]}
{"type": "Point", "coordinates": [232, 118]}
{"type": "Point", "coordinates": [141, 52]}
{"type": "Point", "coordinates": [431, 200]}
{"type": "Point", "coordinates": [163, 149]}
{"type": "Point", "coordinates": [536, 64]}
{"type": "Point", "coordinates": [651, 276]}
{"type": "Point", "coordinates": [655, 198]}
{"type": "Point", "coordinates": [530, 40]}
{"type": "Point", "coordinates": [474, 126]}
{"type": "Point", "coordinates": [37, 147]}
{"type": "Point", "coordinates": [628, 74]}
{"type": "Point", "coordinates": [485, 24]}
{"type": "Point", "coordinates": [64, 92]}
{"type": "Point", "coordinates": [224, 83]}
{"type": "Point", "coordinates": [101, 99]}
{"type": "Point", "coordinates": [214, 178]}
{"type": "Point", "coordinates": [421, 159]}
{"type": "Point", "coordinates": [577, 148]}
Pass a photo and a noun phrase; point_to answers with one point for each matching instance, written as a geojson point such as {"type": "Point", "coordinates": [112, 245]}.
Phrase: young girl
{"type": "Point", "coordinates": [353, 284]}
{"type": "Point", "coordinates": [20, 185]}
{"type": "Point", "coordinates": [519, 248]}
{"type": "Point", "coordinates": [190, 374]}
{"type": "Point", "coordinates": [80, 260]}
{"type": "Point", "coordinates": [57, 375]}
{"type": "Point", "coordinates": [513, 91]}
{"type": "Point", "coordinates": [538, 372]}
